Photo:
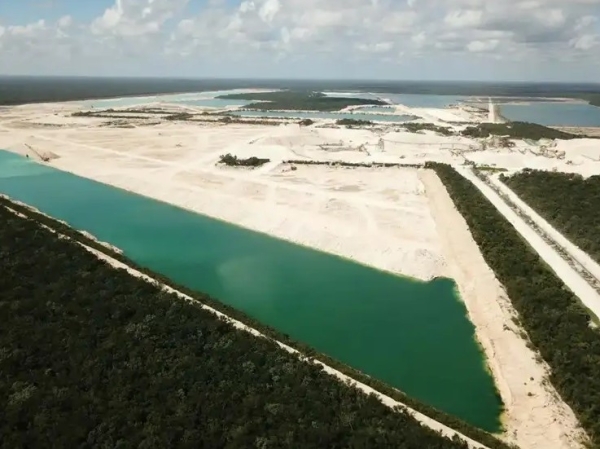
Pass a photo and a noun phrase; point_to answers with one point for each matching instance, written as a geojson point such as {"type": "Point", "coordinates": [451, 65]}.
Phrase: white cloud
{"type": "Point", "coordinates": [269, 10]}
{"type": "Point", "coordinates": [586, 42]}
{"type": "Point", "coordinates": [464, 19]}
{"type": "Point", "coordinates": [65, 22]}
{"type": "Point", "coordinates": [321, 34]}
{"type": "Point", "coordinates": [379, 47]}
{"type": "Point", "coordinates": [482, 46]}
{"type": "Point", "coordinates": [136, 17]}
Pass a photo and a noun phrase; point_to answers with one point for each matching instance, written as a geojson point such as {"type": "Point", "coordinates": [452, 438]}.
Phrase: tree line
{"type": "Point", "coordinates": [566, 200]}
{"type": "Point", "coordinates": [516, 130]}
{"type": "Point", "coordinates": [556, 323]}
{"type": "Point", "coordinates": [113, 292]}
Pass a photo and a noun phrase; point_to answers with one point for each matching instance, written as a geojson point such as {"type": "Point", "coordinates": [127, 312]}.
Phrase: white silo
{"type": "Point", "coordinates": [492, 112]}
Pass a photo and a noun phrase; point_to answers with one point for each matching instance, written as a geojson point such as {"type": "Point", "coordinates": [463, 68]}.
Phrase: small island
{"type": "Point", "coordinates": [299, 101]}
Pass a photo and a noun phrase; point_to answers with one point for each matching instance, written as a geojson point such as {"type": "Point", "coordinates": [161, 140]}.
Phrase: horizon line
{"type": "Point", "coordinates": [214, 78]}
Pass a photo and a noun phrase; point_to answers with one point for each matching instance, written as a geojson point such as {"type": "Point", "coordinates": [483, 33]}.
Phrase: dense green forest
{"type": "Point", "coordinates": [568, 201]}
{"type": "Point", "coordinates": [556, 323]}
{"type": "Point", "coordinates": [94, 357]}
{"type": "Point", "coordinates": [467, 429]}
{"type": "Point", "coordinates": [298, 101]}
{"type": "Point", "coordinates": [516, 130]}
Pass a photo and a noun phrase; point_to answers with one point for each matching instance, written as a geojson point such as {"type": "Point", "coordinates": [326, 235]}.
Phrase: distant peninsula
{"type": "Point", "coordinates": [299, 101]}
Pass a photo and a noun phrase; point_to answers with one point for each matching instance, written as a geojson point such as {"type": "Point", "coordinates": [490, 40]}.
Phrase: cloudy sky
{"type": "Point", "coordinates": [519, 40]}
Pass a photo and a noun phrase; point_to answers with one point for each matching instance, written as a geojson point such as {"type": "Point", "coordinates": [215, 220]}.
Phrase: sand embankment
{"type": "Point", "coordinates": [535, 415]}
{"type": "Point", "coordinates": [378, 217]}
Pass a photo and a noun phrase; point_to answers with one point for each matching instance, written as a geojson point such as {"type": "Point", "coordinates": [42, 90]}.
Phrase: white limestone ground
{"type": "Point", "coordinates": [395, 219]}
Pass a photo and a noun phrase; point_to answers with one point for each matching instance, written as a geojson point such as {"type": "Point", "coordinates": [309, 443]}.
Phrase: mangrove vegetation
{"type": "Point", "coordinates": [287, 100]}
{"type": "Point", "coordinates": [556, 323]}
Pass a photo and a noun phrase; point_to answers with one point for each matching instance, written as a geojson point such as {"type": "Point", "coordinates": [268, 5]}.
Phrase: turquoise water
{"type": "Point", "coordinates": [424, 101]}
{"type": "Point", "coordinates": [191, 99]}
{"type": "Point", "coordinates": [213, 103]}
{"type": "Point", "coordinates": [323, 115]}
{"type": "Point", "coordinates": [362, 95]}
{"type": "Point", "coordinates": [413, 335]}
{"type": "Point", "coordinates": [372, 109]}
{"type": "Point", "coordinates": [410, 100]}
{"type": "Point", "coordinates": [544, 113]}
{"type": "Point", "coordinates": [553, 113]}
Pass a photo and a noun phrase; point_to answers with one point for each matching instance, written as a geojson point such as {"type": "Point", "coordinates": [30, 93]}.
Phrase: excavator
{"type": "Point", "coordinates": [43, 157]}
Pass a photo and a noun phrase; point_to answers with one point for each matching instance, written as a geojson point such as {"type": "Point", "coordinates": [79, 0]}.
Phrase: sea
{"type": "Point", "coordinates": [20, 90]}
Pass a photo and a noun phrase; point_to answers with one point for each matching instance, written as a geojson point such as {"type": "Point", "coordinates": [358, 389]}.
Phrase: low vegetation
{"type": "Point", "coordinates": [353, 164]}
{"type": "Point", "coordinates": [353, 122]}
{"type": "Point", "coordinates": [182, 116]}
{"type": "Point", "coordinates": [306, 122]}
{"type": "Point", "coordinates": [179, 116]}
{"type": "Point", "coordinates": [516, 130]}
{"type": "Point", "coordinates": [109, 113]}
{"type": "Point", "coordinates": [467, 429]}
{"type": "Point", "coordinates": [567, 201]}
{"type": "Point", "coordinates": [417, 127]}
{"type": "Point", "coordinates": [556, 323]}
{"type": "Point", "coordinates": [234, 161]}
{"type": "Point", "coordinates": [490, 168]}
{"type": "Point", "coordinates": [119, 362]}
{"type": "Point", "coordinates": [298, 101]}
{"type": "Point", "coordinates": [593, 99]}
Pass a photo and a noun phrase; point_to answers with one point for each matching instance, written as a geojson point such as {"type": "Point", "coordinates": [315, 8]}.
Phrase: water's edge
{"type": "Point", "coordinates": [87, 239]}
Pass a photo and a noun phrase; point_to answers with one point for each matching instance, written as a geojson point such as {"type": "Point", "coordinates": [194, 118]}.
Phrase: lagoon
{"type": "Point", "coordinates": [423, 100]}
{"type": "Point", "coordinates": [205, 99]}
{"type": "Point", "coordinates": [324, 115]}
{"type": "Point", "coordinates": [212, 103]}
{"type": "Point", "coordinates": [410, 100]}
{"type": "Point", "coordinates": [553, 113]}
{"type": "Point", "coordinates": [413, 335]}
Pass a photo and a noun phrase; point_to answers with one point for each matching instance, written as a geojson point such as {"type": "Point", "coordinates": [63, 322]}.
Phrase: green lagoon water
{"type": "Point", "coordinates": [413, 335]}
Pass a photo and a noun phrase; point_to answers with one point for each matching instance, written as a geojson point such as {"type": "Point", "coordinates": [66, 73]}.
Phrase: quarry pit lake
{"type": "Point", "coordinates": [413, 335]}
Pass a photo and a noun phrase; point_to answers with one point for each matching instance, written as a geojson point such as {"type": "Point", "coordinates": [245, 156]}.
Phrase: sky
{"type": "Point", "coordinates": [487, 40]}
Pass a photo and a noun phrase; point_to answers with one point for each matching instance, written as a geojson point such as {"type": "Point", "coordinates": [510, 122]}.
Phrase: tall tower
{"type": "Point", "coordinates": [492, 116]}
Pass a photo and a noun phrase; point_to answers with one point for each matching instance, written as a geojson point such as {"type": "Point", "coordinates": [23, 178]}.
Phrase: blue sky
{"type": "Point", "coordinates": [551, 40]}
{"type": "Point", "coordinates": [22, 12]}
